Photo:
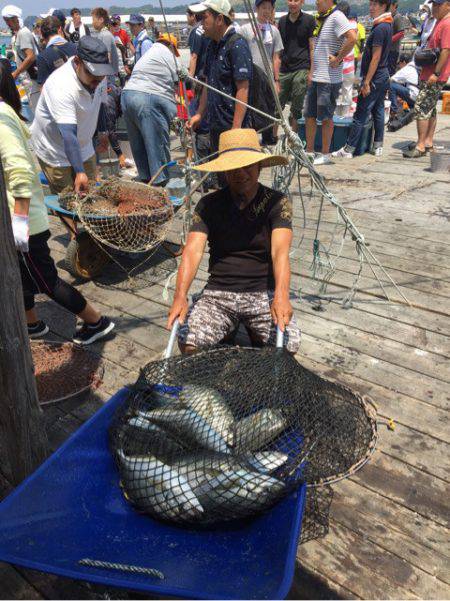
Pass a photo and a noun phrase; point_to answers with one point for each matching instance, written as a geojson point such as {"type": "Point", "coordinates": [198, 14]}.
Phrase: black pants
{"type": "Point", "coordinates": [39, 275]}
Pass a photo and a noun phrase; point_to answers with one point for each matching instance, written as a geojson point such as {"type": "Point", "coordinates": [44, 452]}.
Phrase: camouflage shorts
{"type": "Point", "coordinates": [215, 314]}
{"type": "Point", "coordinates": [427, 99]}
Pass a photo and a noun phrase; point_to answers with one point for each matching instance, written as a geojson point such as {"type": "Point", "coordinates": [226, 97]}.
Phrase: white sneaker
{"type": "Point", "coordinates": [322, 159]}
{"type": "Point", "coordinates": [342, 154]}
{"type": "Point", "coordinates": [377, 152]}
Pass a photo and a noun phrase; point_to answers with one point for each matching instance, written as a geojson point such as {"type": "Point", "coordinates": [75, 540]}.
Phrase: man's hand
{"type": "Point", "coordinates": [334, 61]}
{"type": "Point", "coordinates": [15, 75]}
{"type": "Point", "coordinates": [365, 89]}
{"type": "Point", "coordinates": [178, 310]}
{"type": "Point", "coordinates": [21, 231]}
{"type": "Point", "coordinates": [281, 310]}
{"type": "Point", "coordinates": [81, 183]}
{"type": "Point", "coordinates": [194, 121]}
{"type": "Point", "coordinates": [432, 79]}
{"type": "Point", "coordinates": [277, 87]}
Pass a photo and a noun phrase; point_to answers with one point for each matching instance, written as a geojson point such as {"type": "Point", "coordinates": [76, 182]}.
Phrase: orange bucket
{"type": "Point", "coordinates": [446, 103]}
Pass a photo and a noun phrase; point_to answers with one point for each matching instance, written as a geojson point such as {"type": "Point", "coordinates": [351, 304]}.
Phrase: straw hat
{"type": "Point", "coordinates": [240, 148]}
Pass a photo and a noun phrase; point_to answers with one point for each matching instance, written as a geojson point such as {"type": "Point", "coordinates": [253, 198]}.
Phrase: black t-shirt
{"type": "Point", "coordinates": [296, 36]}
{"type": "Point", "coordinates": [51, 58]}
{"type": "Point", "coordinates": [240, 240]}
{"type": "Point", "coordinates": [381, 35]}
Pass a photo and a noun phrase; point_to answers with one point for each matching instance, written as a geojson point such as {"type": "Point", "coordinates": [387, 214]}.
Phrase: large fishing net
{"type": "Point", "coordinates": [225, 433]}
{"type": "Point", "coordinates": [126, 215]}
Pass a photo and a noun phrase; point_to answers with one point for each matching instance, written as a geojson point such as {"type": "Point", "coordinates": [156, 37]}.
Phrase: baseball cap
{"type": "Point", "coordinates": [258, 2]}
{"type": "Point", "coordinates": [94, 55]}
{"type": "Point", "coordinates": [59, 15]}
{"type": "Point", "coordinates": [171, 39]}
{"type": "Point", "coordinates": [222, 7]}
{"type": "Point", "coordinates": [115, 19]}
{"type": "Point", "coordinates": [136, 19]}
{"type": "Point", "coordinates": [10, 10]}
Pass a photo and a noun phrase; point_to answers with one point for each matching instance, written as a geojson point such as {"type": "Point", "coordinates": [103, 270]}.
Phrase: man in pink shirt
{"type": "Point", "coordinates": [432, 80]}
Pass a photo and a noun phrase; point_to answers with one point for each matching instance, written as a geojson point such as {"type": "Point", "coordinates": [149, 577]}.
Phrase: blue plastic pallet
{"type": "Point", "coordinates": [72, 508]}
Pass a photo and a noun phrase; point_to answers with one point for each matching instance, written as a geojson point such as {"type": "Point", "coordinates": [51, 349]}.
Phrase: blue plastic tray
{"type": "Point", "coordinates": [72, 508]}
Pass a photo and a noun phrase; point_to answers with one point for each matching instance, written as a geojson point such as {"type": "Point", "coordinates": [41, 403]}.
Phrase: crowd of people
{"type": "Point", "coordinates": [79, 79]}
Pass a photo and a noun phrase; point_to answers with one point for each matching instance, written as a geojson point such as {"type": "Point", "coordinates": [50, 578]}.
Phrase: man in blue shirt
{"type": "Point", "coordinates": [228, 67]}
{"type": "Point", "coordinates": [198, 45]}
{"type": "Point", "coordinates": [141, 39]}
{"type": "Point", "coordinates": [375, 81]}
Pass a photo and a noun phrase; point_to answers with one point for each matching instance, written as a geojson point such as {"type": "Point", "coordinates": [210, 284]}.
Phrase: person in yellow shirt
{"type": "Point", "coordinates": [360, 39]}
{"type": "Point", "coordinates": [30, 224]}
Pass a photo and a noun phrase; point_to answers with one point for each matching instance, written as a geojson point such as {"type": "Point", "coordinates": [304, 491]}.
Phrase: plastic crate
{"type": "Point", "coordinates": [341, 131]}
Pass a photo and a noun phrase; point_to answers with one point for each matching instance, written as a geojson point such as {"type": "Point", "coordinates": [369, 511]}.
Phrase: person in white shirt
{"type": "Point", "coordinates": [405, 83]}
{"type": "Point", "coordinates": [26, 49]}
{"type": "Point", "coordinates": [67, 115]}
{"type": "Point", "coordinates": [148, 107]}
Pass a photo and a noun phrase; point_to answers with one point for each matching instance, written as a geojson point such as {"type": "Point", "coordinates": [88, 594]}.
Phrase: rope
{"type": "Point", "coordinates": [122, 567]}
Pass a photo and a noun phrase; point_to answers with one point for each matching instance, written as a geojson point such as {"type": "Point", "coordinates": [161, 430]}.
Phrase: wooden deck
{"type": "Point", "coordinates": [389, 523]}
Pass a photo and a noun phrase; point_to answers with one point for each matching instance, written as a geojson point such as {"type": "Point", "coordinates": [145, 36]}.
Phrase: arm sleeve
{"type": "Point", "coordinates": [146, 45]}
{"type": "Point", "coordinates": [200, 218]}
{"type": "Point", "coordinates": [71, 146]}
{"type": "Point", "coordinates": [311, 28]}
{"type": "Point", "coordinates": [42, 70]}
{"type": "Point", "coordinates": [444, 42]}
{"type": "Point", "coordinates": [277, 41]}
{"type": "Point", "coordinates": [15, 159]}
{"type": "Point", "coordinates": [196, 42]}
{"type": "Point", "coordinates": [25, 41]}
{"type": "Point", "coordinates": [378, 37]}
{"type": "Point", "coordinates": [241, 60]}
{"type": "Point", "coordinates": [281, 214]}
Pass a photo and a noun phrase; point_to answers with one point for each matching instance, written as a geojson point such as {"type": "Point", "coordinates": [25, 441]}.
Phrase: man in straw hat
{"type": "Point", "coordinates": [249, 230]}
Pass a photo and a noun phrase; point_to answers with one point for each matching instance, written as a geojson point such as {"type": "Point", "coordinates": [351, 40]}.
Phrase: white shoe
{"type": "Point", "coordinates": [322, 159]}
{"type": "Point", "coordinates": [342, 154]}
{"type": "Point", "coordinates": [377, 152]}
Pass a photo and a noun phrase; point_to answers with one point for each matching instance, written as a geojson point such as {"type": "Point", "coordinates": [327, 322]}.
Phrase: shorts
{"type": "Point", "coordinates": [321, 100]}
{"type": "Point", "coordinates": [215, 314]}
{"type": "Point", "coordinates": [427, 99]}
{"type": "Point", "coordinates": [63, 177]}
{"type": "Point", "coordinates": [293, 87]}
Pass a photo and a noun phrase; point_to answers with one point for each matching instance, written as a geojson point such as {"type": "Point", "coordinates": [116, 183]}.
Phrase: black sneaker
{"type": "Point", "coordinates": [38, 329]}
{"type": "Point", "coordinates": [88, 334]}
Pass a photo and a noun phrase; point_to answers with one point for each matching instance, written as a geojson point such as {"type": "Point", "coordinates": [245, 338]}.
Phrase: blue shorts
{"type": "Point", "coordinates": [321, 100]}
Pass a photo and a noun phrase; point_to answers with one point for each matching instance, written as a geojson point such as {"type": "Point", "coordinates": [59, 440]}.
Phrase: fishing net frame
{"type": "Point", "coordinates": [305, 463]}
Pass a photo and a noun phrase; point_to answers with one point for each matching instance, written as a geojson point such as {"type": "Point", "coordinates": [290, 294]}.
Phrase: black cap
{"type": "Point", "coordinates": [94, 55]}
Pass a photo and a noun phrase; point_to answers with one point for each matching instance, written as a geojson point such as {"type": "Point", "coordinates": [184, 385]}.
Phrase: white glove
{"type": "Point", "coordinates": [21, 231]}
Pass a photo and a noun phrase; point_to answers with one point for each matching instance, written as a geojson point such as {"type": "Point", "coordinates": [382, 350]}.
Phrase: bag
{"type": "Point", "coordinates": [260, 93]}
{"type": "Point", "coordinates": [425, 57]}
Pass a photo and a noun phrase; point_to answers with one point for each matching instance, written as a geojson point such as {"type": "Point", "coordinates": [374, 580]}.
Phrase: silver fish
{"type": "Point", "coordinates": [185, 422]}
{"type": "Point", "coordinates": [256, 430]}
{"type": "Point", "coordinates": [160, 444]}
{"type": "Point", "coordinates": [200, 468]}
{"type": "Point", "coordinates": [266, 462]}
{"type": "Point", "coordinates": [153, 486]}
{"type": "Point", "coordinates": [232, 492]}
{"type": "Point", "coordinates": [210, 405]}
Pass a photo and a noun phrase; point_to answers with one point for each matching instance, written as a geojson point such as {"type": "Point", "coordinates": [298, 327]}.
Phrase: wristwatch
{"type": "Point", "coordinates": [437, 73]}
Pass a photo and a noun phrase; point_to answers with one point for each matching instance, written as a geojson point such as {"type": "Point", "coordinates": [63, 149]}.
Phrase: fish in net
{"type": "Point", "coordinates": [126, 215]}
{"type": "Point", "coordinates": [226, 433]}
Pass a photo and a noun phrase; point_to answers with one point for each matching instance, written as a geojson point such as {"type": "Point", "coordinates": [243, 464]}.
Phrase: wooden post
{"type": "Point", "coordinates": [22, 432]}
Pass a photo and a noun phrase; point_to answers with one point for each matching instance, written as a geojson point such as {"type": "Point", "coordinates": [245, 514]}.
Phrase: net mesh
{"type": "Point", "coordinates": [126, 215]}
{"type": "Point", "coordinates": [225, 433]}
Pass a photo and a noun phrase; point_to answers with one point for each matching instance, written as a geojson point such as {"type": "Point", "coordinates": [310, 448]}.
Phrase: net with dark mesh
{"type": "Point", "coordinates": [125, 215]}
{"type": "Point", "coordinates": [225, 433]}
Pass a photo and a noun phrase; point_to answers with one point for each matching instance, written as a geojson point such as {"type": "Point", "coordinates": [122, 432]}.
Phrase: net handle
{"type": "Point", "coordinates": [280, 338]}
{"type": "Point", "coordinates": [173, 335]}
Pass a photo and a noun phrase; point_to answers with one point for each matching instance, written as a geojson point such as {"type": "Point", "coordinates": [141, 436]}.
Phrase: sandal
{"type": "Point", "coordinates": [414, 153]}
{"type": "Point", "coordinates": [412, 145]}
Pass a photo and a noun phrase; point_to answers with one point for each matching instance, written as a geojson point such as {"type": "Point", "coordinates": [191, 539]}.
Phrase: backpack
{"type": "Point", "coordinates": [260, 93]}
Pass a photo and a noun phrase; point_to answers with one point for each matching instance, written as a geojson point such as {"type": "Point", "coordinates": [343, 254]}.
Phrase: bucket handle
{"type": "Point", "coordinates": [280, 338]}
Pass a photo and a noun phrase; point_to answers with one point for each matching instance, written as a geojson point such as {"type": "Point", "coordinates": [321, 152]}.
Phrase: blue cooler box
{"type": "Point", "coordinates": [340, 134]}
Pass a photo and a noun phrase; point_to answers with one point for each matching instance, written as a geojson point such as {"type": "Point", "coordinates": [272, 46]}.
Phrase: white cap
{"type": "Point", "coordinates": [47, 14]}
{"type": "Point", "coordinates": [10, 10]}
{"type": "Point", "coordinates": [222, 7]}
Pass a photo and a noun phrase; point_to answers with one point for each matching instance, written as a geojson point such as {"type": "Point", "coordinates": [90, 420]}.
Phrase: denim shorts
{"type": "Point", "coordinates": [321, 100]}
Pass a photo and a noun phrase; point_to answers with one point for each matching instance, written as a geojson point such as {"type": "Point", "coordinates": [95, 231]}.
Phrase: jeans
{"type": "Point", "coordinates": [373, 104]}
{"type": "Point", "coordinates": [321, 100]}
{"type": "Point", "coordinates": [398, 89]}
{"type": "Point", "coordinates": [147, 118]}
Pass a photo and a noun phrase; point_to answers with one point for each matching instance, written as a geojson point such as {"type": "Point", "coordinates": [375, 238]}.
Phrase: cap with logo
{"type": "Point", "coordinates": [170, 39]}
{"type": "Point", "coordinates": [222, 7]}
{"type": "Point", "coordinates": [94, 55]}
{"type": "Point", "coordinates": [136, 19]}
{"type": "Point", "coordinates": [115, 19]}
